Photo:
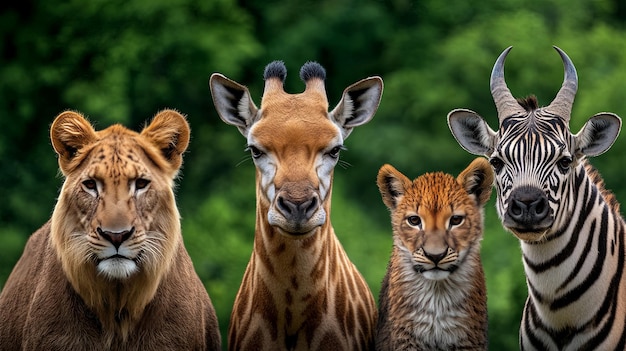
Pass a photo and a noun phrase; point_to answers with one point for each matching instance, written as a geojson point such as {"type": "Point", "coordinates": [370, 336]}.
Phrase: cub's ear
{"type": "Point", "coordinates": [169, 132]}
{"type": "Point", "coordinates": [69, 133]}
{"type": "Point", "coordinates": [477, 179]}
{"type": "Point", "coordinates": [392, 185]}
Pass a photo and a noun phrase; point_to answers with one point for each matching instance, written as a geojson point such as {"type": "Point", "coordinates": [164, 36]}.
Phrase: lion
{"type": "Point", "coordinates": [109, 270]}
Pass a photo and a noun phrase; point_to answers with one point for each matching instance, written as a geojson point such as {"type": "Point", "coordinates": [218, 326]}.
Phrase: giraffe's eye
{"type": "Point", "coordinates": [254, 151]}
{"type": "Point", "coordinates": [334, 152]}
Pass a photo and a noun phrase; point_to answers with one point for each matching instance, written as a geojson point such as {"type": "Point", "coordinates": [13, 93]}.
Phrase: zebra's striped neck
{"type": "Point", "coordinates": [576, 274]}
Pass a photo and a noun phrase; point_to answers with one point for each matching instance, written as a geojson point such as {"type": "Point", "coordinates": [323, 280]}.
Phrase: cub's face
{"type": "Point", "coordinates": [437, 219]}
{"type": "Point", "coordinates": [116, 212]}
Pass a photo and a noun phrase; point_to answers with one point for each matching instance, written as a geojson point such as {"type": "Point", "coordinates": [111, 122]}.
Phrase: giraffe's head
{"type": "Point", "coordinates": [294, 140]}
{"type": "Point", "coordinates": [534, 154]}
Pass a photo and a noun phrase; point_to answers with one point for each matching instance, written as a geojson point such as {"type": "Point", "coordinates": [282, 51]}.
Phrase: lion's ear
{"type": "Point", "coordinates": [69, 133]}
{"type": "Point", "coordinates": [169, 132]}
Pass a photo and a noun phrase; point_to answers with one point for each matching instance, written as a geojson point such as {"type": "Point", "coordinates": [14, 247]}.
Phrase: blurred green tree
{"type": "Point", "coordinates": [122, 61]}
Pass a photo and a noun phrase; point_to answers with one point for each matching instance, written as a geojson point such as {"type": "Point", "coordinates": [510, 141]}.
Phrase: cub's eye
{"type": "Point", "coordinates": [497, 164]}
{"type": "Point", "coordinates": [141, 183]}
{"type": "Point", "coordinates": [565, 162]}
{"type": "Point", "coordinates": [334, 152]}
{"type": "Point", "coordinates": [90, 184]}
{"type": "Point", "coordinates": [456, 220]}
{"type": "Point", "coordinates": [254, 151]}
{"type": "Point", "coordinates": [414, 221]}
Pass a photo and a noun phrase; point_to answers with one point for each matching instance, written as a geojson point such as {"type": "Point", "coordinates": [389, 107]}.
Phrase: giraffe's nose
{"type": "Point", "coordinates": [297, 210]}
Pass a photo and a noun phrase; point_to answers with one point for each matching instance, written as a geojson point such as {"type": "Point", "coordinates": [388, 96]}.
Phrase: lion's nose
{"type": "Point", "coordinates": [116, 238]}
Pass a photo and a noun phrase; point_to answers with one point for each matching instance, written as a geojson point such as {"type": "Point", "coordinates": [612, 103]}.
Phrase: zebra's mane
{"type": "Point", "coordinates": [596, 178]}
{"type": "Point", "coordinates": [529, 103]}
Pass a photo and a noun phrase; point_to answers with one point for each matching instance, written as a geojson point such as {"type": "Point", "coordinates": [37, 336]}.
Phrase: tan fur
{"type": "Point", "coordinates": [67, 293]}
{"type": "Point", "coordinates": [433, 295]}
{"type": "Point", "coordinates": [300, 291]}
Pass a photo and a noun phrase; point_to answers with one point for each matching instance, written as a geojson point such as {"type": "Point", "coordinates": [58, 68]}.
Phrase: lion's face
{"type": "Point", "coordinates": [436, 218]}
{"type": "Point", "coordinates": [116, 216]}
{"type": "Point", "coordinates": [117, 196]}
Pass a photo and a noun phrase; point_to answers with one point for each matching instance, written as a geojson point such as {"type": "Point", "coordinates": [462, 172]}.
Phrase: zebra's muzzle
{"type": "Point", "coordinates": [528, 211]}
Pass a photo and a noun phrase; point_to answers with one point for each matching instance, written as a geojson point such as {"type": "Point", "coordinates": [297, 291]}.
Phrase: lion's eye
{"type": "Point", "coordinates": [456, 220]}
{"type": "Point", "coordinates": [141, 183]}
{"type": "Point", "coordinates": [414, 221]}
{"type": "Point", "coordinates": [90, 184]}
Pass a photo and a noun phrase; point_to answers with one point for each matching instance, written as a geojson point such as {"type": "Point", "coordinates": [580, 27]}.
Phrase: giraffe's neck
{"type": "Point", "coordinates": [301, 294]}
{"type": "Point", "coordinates": [281, 257]}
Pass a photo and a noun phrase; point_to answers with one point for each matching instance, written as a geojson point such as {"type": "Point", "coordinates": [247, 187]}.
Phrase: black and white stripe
{"type": "Point", "coordinates": [548, 195]}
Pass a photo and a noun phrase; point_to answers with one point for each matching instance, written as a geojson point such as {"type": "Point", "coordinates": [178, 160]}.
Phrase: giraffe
{"type": "Point", "coordinates": [300, 291]}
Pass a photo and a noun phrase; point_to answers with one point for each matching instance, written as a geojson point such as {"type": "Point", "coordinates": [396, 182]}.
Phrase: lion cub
{"type": "Point", "coordinates": [433, 296]}
{"type": "Point", "coordinates": [109, 271]}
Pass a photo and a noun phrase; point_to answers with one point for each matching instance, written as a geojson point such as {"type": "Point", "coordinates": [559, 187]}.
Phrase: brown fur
{"type": "Point", "coordinates": [300, 291]}
{"type": "Point", "coordinates": [433, 296]}
{"type": "Point", "coordinates": [62, 296]}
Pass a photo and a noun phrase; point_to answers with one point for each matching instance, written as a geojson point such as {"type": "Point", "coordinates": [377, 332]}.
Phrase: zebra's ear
{"type": "Point", "coordinates": [392, 185]}
{"type": "Point", "coordinates": [598, 134]}
{"type": "Point", "coordinates": [477, 179]}
{"type": "Point", "coordinates": [358, 104]}
{"type": "Point", "coordinates": [471, 132]}
{"type": "Point", "coordinates": [233, 102]}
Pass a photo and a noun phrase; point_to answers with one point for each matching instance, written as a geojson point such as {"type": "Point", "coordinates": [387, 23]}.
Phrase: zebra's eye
{"type": "Point", "coordinates": [565, 162]}
{"type": "Point", "coordinates": [456, 220]}
{"type": "Point", "coordinates": [254, 151]}
{"type": "Point", "coordinates": [414, 221]}
{"type": "Point", "coordinates": [497, 164]}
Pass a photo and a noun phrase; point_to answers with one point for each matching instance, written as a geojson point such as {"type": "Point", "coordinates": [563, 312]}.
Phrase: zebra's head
{"type": "Point", "coordinates": [533, 153]}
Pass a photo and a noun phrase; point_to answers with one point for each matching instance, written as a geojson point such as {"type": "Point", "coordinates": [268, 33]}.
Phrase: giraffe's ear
{"type": "Point", "coordinates": [233, 103]}
{"type": "Point", "coordinates": [477, 179]}
{"type": "Point", "coordinates": [392, 185]}
{"type": "Point", "coordinates": [358, 104]}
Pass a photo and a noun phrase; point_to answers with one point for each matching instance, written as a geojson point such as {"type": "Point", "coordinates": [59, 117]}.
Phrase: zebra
{"type": "Point", "coordinates": [551, 198]}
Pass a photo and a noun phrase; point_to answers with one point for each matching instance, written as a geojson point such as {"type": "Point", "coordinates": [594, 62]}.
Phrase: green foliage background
{"type": "Point", "coordinates": [122, 61]}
